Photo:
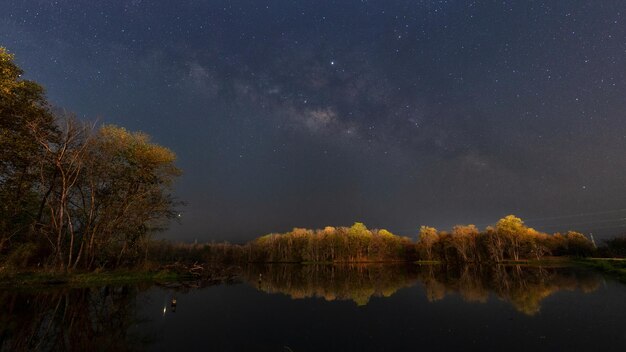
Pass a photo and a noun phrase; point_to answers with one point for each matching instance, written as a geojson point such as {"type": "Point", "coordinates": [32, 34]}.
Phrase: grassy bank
{"type": "Point", "coordinates": [546, 261]}
{"type": "Point", "coordinates": [182, 273]}
{"type": "Point", "coordinates": [614, 266]}
{"type": "Point", "coordinates": [47, 278]}
{"type": "Point", "coordinates": [177, 273]}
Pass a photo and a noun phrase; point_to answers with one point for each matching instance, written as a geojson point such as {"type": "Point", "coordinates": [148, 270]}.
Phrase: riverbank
{"type": "Point", "coordinates": [546, 261]}
{"type": "Point", "coordinates": [615, 267]}
{"type": "Point", "coordinates": [174, 274]}
{"type": "Point", "coordinates": [167, 274]}
{"type": "Point", "coordinates": [48, 278]}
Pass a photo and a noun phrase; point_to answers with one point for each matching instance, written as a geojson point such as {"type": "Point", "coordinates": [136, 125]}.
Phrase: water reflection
{"type": "Point", "coordinates": [332, 282]}
{"type": "Point", "coordinates": [523, 286]}
{"type": "Point", "coordinates": [138, 317]}
{"type": "Point", "coordinates": [85, 319]}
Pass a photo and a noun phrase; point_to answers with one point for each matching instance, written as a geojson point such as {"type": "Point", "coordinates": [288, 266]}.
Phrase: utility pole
{"type": "Point", "coordinates": [593, 241]}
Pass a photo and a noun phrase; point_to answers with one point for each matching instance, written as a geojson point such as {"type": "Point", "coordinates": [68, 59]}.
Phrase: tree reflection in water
{"type": "Point", "coordinates": [332, 282]}
{"type": "Point", "coordinates": [85, 319]}
{"type": "Point", "coordinates": [107, 318]}
{"type": "Point", "coordinates": [522, 286]}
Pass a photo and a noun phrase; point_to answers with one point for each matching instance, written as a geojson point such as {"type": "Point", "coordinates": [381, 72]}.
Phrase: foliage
{"type": "Point", "coordinates": [223, 253]}
{"type": "Point", "coordinates": [24, 112]}
{"type": "Point", "coordinates": [427, 238]}
{"type": "Point", "coordinates": [510, 239]}
{"type": "Point", "coordinates": [125, 192]}
{"type": "Point", "coordinates": [72, 196]}
{"type": "Point", "coordinates": [341, 244]}
{"type": "Point", "coordinates": [615, 247]}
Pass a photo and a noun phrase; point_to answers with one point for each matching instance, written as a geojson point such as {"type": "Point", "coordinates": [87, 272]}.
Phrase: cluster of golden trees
{"type": "Point", "coordinates": [329, 245]}
{"type": "Point", "coordinates": [332, 244]}
{"type": "Point", "coordinates": [509, 239]}
{"type": "Point", "coordinates": [73, 195]}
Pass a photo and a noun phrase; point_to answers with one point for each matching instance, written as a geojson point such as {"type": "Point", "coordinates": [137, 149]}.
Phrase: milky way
{"type": "Point", "coordinates": [314, 113]}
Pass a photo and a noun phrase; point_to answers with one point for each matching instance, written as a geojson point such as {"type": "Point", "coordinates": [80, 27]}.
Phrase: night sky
{"type": "Point", "coordinates": [312, 113]}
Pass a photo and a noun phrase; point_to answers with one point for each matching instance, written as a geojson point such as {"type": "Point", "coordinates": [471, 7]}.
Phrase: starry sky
{"type": "Point", "coordinates": [312, 113]}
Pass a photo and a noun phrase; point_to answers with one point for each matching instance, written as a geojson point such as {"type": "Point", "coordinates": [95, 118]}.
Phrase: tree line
{"type": "Point", "coordinates": [351, 244]}
{"type": "Point", "coordinates": [73, 195]}
{"type": "Point", "coordinates": [508, 240]}
{"type": "Point", "coordinates": [331, 244]}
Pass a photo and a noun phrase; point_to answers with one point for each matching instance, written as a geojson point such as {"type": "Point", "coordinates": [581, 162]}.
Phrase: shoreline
{"type": "Point", "coordinates": [29, 279]}
{"type": "Point", "coordinates": [26, 279]}
{"type": "Point", "coordinates": [615, 267]}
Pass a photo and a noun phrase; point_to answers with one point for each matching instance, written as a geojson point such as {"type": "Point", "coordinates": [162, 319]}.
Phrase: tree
{"type": "Point", "coordinates": [427, 238]}
{"type": "Point", "coordinates": [496, 244]}
{"type": "Point", "coordinates": [464, 240]}
{"type": "Point", "coordinates": [24, 112]}
{"type": "Point", "coordinates": [104, 193]}
{"type": "Point", "coordinates": [513, 230]}
{"type": "Point", "coordinates": [125, 193]}
{"type": "Point", "coordinates": [538, 243]}
{"type": "Point", "coordinates": [60, 171]}
{"type": "Point", "coordinates": [616, 247]}
{"type": "Point", "coordinates": [86, 198]}
{"type": "Point", "coordinates": [578, 244]}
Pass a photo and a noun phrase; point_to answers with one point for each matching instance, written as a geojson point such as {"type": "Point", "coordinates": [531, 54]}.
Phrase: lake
{"type": "Point", "coordinates": [375, 307]}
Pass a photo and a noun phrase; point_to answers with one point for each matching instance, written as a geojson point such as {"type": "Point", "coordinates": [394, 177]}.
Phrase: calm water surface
{"type": "Point", "coordinates": [332, 308]}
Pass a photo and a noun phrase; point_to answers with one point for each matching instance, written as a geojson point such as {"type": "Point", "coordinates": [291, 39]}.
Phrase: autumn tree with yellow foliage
{"type": "Point", "coordinates": [74, 196]}
{"type": "Point", "coordinates": [510, 239]}
{"type": "Point", "coordinates": [332, 244]}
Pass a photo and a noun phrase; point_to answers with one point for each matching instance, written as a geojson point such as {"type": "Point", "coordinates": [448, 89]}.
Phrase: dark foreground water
{"type": "Point", "coordinates": [331, 308]}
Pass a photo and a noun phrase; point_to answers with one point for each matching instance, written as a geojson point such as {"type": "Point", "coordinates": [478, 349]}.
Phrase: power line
{"type": "Point", "coordinates": [603, 228]}
{"type": "Point", "coordinates": [578, 215]}
{"type": "Point", "coordinates": [583, 223]}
